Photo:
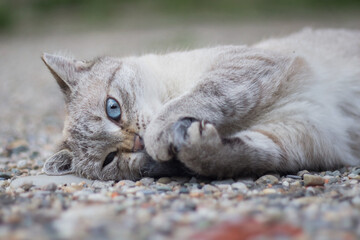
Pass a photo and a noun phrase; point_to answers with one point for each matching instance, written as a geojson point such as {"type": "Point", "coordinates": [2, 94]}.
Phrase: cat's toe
{"type": "Point", "coordinates": [180, 132]}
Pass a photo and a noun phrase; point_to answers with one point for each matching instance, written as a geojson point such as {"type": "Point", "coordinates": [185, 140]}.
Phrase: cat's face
{"type": "Point", "coordinates": [108, 108]}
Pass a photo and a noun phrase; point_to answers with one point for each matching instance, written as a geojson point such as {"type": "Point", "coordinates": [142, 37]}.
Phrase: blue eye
{"type": "Point", "coordinates": [113, 109]}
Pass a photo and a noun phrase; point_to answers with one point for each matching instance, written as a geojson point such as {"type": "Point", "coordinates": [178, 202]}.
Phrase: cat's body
{"type": "Point", "coordinates": [281, 105]}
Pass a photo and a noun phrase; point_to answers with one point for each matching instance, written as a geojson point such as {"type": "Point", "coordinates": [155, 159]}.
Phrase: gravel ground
{"type": "Point", "coordinates": [309, 205]}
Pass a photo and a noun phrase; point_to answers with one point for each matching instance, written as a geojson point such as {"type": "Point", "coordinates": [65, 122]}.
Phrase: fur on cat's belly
{"type": "Point", "coordinates": [279, 106]}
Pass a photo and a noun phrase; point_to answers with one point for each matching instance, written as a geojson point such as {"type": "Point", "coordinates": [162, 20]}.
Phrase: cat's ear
{"type": "Point", "coordinates": [65, 70]}
{"type": "Point", "coordinates": [60, 163]}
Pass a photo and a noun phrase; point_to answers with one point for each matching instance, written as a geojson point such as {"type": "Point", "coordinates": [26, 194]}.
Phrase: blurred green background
{"type": "Point", "coordinates": [33, 16]}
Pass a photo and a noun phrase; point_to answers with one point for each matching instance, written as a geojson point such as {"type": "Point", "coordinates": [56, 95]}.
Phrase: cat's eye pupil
{"type": "Point", "coordinates": [113, 110]}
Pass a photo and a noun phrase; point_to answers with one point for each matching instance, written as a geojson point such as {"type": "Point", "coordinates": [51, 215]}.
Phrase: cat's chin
{"type": "Point", "coordinates": [171, 168]}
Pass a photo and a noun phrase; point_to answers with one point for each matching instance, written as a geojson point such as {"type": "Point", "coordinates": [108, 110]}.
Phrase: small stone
{"type": "Point", "coordinates": [313, 180]}
{"type": "Point", "coordinates": [184, 190]}
{"type": "Point", "coordinates": [17, 147]}
{"type": "Point", "coordinates": [147, 181]}
{"type": "Point", "coordinates": [5, 175]}
{"type": "Point", "coordinates": [164, 180]}
{"type": "Point", "coordinates": [196, 193]}
{"type": "Point", "coordinates": [97, 197]}
{"type": "Point", "coordinates": [336, 173]}
{"type": "Point", "coordinates": [21, 164]}
{"type": "Point", "coordinates": [34, 154]}
{"type": "Point", "coordinates": [209, 188]}
{"type": "Point", "coordinates": [27, 186]}
{"type": "Point", "coordinates": [295, 185]}
{"type": "Point", "coordinates": [356, 201]}
{"type": "Point", "coordinates": [240, 186]}
{"type": "Point", "coordinates": [329, 173]}
{"type": "Point", "coordinates": [163, 188]}
{"type": "Point", "coordinates": [4, 183]}
{"type": "Point", "coordinates": [354, 176]}
{"type": "Point", "coordinates": [269, 191]}
{"type": "Point", "coordinates": [147, 192]}
{"type": "Point", "coordinates": [333, 180]}
{"type": "Point", "coordinates": [104, 184]}
{"type": "Point", "coordinates": [356, 171]}
{"type": "Point", "coordinates": [301, 173]}
{"type": "Point", "coordinates": [293, 176]}
{"type": "Point", "coordinates": [50, 187]}
{"type": "Point", "coordinates": [353, 181]}
{"type": "Point", "coordinates": [222, 182]}
{"type": "Point", "coordinates": [285, 184]}
{"type": "Point", "coordinates": [180, 180]}
{"type": "Point", "coordinates": [70, 189]}
{"type": "Point", "coordinates": [267, 179]}
{"type": "Point", "coordinates": [138, 183]}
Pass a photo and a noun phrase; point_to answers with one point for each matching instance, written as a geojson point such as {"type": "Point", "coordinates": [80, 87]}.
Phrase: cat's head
{"type": "Point", "coordinates": [108, 106]}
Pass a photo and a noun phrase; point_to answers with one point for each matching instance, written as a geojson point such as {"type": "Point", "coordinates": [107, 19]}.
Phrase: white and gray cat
{"type": "Point", "coordinates": [278, 106]}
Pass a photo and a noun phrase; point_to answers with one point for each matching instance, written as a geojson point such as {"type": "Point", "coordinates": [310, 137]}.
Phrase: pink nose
{"type": "Point", "coordinates": [138, 144]}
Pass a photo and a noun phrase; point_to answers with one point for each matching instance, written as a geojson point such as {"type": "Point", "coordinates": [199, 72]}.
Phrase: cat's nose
{"type": "Point", "coordinates": [138, 144]}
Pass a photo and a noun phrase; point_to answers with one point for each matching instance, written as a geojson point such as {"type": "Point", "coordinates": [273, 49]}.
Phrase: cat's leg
{"type": "Point", "coordinates": [278, 147]}
{"type": "Point", "coordinates": [236, 91]}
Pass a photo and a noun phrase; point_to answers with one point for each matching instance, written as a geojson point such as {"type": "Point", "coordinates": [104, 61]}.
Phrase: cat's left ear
{"type": "Point", "coordinates": [60, 163]}
{"type": "Point", "coordinates": [65, 70]}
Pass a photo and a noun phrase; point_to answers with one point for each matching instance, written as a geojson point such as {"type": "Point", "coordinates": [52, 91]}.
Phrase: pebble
{"type": "Point", "coordinates": [301, 173]}
{"type": "Point", "coordinates": [71, 189]}
{"type": "Point", "coordinates": [354, 176]}
{"type": "Point", "coordinates": [5, 175]}
{"type": "Point", "coordinates": [269, 191]}
{"type": "Point", "coordinates": [17, 147]}
{"type": "Point", "coordinates": [313, 180]}
{"type": "Point", "coordinates": [164, 180]}
{"type": "Point", "coordinates": [184, 190]}
{"type": "Point", "coordinates": [147, 181]}
{"type": "Point", "coordinates": [21, 164]}
{"type": "Point", "coordinates": [104, 184]}
{"type": "Point", "coordinates": [50, 187]}
{"type": "Point", "coordinates": [240, 186]}
{"type": "Point", "coordinates": [26, 186]}
{"type": "Point", "coordinates": [356, 201]}
{"type": "Point", "coordinates": [356, 171]}
{"type": "Point", "coordinates": [294, 176]}
{"type": "Point", "coordinates": [267, 179]}
{"type": "Point", "coordinates": [226, 181]}
{"type": "Point", "coordinates": [285, 183]}
{"type": "Point", "coordinates": [163, 188]}
{"type": "Point", "coordinates": [196, 193]}
{"type": "Point", "coordinates": [209, 188]}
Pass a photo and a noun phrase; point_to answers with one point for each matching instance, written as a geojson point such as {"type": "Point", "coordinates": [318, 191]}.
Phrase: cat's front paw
{"type": "Point", "coordinates": [164, 140]}
{"type": "Point", "coordinates": [159, 140]}
{"type": "Point", "coordinates": [195, 144]}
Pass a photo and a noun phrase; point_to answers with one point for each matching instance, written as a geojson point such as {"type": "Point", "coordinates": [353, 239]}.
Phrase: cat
{"type": "Point", "coordinates": [281, 105]}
